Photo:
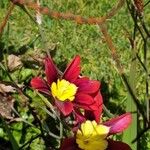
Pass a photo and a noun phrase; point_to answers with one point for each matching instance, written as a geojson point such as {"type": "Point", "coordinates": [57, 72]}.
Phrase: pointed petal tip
{"type": "Point", "coordinates": [82, 98]}
{"type": "Point", "coordinates": [87, 86]}
{"type": "Point", "coordinates": [119, 123]}
{"type": "Point", "coordinates": [40, 85]}
{"type": "Point", "coordinates": [37, 83]}
{"type": "Point", "coordinates": [50, 70]}
{"type": "Point", "coordinates": [65, 107]}
{"type": "Point", "coordinates": [73, 70]}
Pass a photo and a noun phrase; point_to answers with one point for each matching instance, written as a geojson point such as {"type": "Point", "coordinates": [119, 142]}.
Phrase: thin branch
{"type": "Point", "coordinates": [5, 20]}
{"type": "Point", "coordinates": [144, 26]}
{"type": "Point", "coordinates": [120, 69]}
{"type": "Point", "coordinates": [30, 141]}
{"type": "Point", "coordinates": [142, 64]}
{"type": "Point", "coordinates": [141, 133]}
{"type": "Point", "coordinates": [146, 3]}
{"type": "Point", "coordinates": [134, 17]}
{"type": "Point", "coordinates": [69, 16]}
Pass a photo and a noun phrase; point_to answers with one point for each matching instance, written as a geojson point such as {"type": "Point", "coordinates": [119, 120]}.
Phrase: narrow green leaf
{"type": "Point", "coordinates": [15, 146]}
{"type": "Point", "coordinates": [131, 133]}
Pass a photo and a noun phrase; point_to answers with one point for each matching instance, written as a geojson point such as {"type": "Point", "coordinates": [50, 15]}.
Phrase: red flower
{"type": "Point", "coordinates": [70, 90]}
{"type": "Point", "coordinates": [96, 136]}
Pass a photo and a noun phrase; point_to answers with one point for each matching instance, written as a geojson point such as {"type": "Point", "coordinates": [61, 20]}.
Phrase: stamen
{"type": "Point", "coordinates": [63, 90]}
{"type": "Point", "coordinates": [92, 136]}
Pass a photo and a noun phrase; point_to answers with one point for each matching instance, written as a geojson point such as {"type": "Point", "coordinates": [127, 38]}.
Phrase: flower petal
{"type": "Point", "coordinates": [69, 144]}
{"type": "Point", "coordinates": [88, 102]}
{"type": "Point", "coordinates": [119, 123]}
{"type": "Point", "coordinates": [40, 85]}
{"type": "Point", "coordinates": [82, 98]}
{"type": "Point", "coordinates": [87, 86]}
{"type": "Point", "coordinates": [50, 70]}
{"type": "Point", "coordinates": [98, 100]}
{"type": "Point", "coordinates": [96, 108]}
{"type": "Point", "coordinates": [117, 145]}
{"type": "Point", "coordinates": [97, 115]}
{"type": "Point", "coordinates": [65, 107]}
{"type": "Point", "coordinates": [73, 70]}
{"type": "Point", "coordinates": [83, 106]}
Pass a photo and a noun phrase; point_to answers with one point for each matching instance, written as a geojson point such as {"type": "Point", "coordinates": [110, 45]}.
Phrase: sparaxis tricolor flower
{"type": "Point", "coordinates": [69, 90]}
{"type": "Point", "coordinates": [95, 136]}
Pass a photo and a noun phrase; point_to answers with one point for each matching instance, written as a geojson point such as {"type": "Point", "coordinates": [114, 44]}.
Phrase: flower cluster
{"type": "Point", "coordinates": [91, 135]}
{"type": "Point", "coordinates": [80, 96]}
{"type": "Point", "coordinates": [69, 90]}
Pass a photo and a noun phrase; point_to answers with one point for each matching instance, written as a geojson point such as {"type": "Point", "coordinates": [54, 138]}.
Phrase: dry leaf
{"type": "Point", "coordinates": [13, 62]}
{"type": "Point", "coordinates": [6, 88]}
{"type": "Point", "coordinates": [6, 105]}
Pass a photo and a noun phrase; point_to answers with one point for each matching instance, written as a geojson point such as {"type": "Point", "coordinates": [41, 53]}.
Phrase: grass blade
{"type": "Point", "coordinates": [131, 133]}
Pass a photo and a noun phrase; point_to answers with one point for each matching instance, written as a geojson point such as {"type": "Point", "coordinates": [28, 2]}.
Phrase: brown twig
{"type": "Point", "coordinates": [120, 68]}
{"type": "Point", "coordinates": [4, 22]}
{"type": "Point", "coordinates": [134, 12]}
{"type": "Point", "coordinates": [111, 47]}
{"type": "Point", "coordinates": [69, 16]}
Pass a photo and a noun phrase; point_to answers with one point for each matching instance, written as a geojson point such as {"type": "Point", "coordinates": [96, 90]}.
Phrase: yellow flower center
{"type": "Point", "coordinates": [92, 136]}
{"type": "Point", "coordinates": [63, 90]}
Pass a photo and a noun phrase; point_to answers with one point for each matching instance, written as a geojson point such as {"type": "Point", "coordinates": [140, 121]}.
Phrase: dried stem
{"type": "Point", "coordinates": [5, 20]}
{"type": "Point", "coordinates": [69, 16]}
{"type": "Point", "coordinates": [120, 68]}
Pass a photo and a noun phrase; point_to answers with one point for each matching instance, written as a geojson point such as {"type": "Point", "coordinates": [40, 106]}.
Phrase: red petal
{"type": "Point", "coordinates": [40, 85]}
{"type": "Point", "coordinates": [87, 86]}
{"type": "Point", "coordinates": [98, 102]}
{"type": "Point", "coordinates": [119, 123]}
{"type": "Point", "coordinates": [82, 98]}
{"type": "Point", "coordinates": [95, 109]}
{"type": "Point", "coordinates": [97, 115]}
{"type": "Point", "coordinates": [69, 144]}
{"type": "Point", "coordinates": [65, 107]}
{"type": "Point", "coordinates": [73, 70]}
{"type": "Point", "coordinates": [117, 145]}
{"type": "Point", "coordinates": [83, 106]}
{"type": "Point", "coordinates": [50, 70]}
{"type": "Point", "coordinates": [88, 102]}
